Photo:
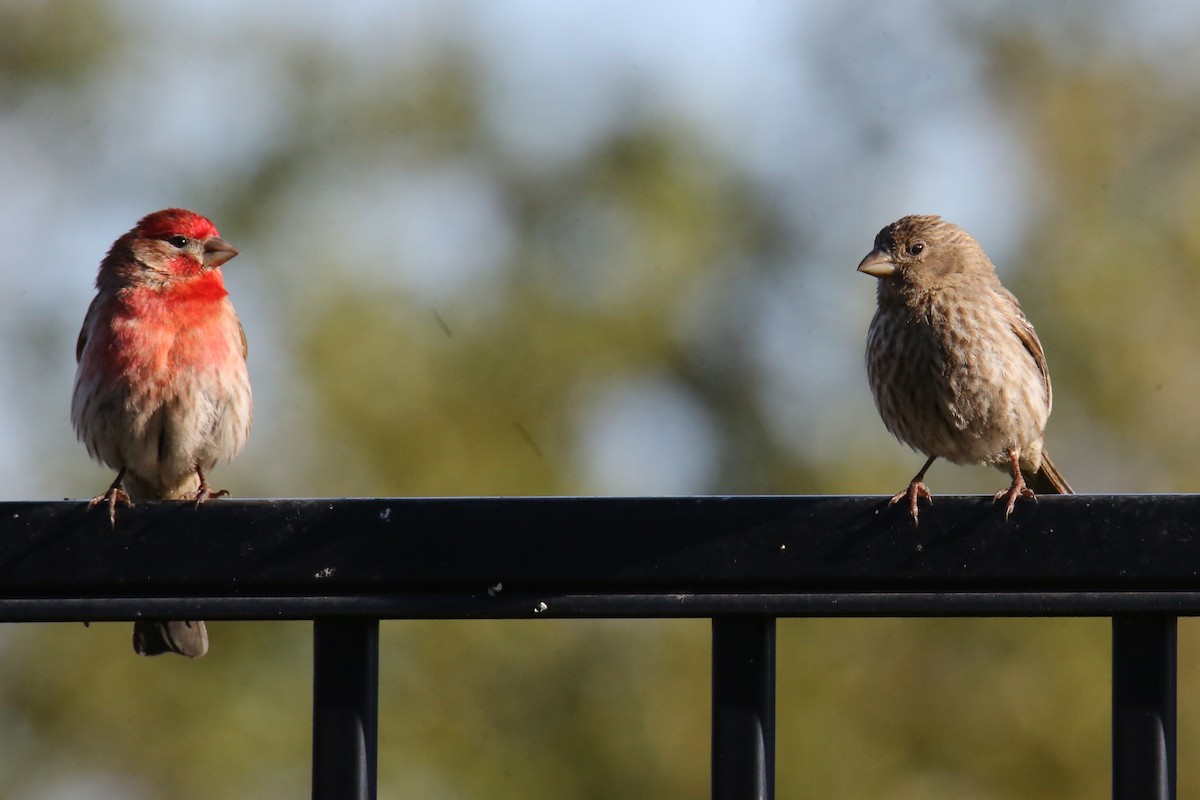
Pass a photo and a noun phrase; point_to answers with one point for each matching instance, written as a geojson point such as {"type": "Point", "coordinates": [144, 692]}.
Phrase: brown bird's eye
{"type": "Point", "coordinates": [915, 248]}
{"type": "Point", "coordinates": [178, 241]}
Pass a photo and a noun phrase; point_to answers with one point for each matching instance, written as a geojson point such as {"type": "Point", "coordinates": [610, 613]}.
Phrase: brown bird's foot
{"type": "Point", "coordinates": [1018, 491]}
{"type": "Point", "coordinates": [915, 491]}
{"type": "Point", "coordinates": [114, 495]}
{"type": "Point", "coordinates": [205, 492]}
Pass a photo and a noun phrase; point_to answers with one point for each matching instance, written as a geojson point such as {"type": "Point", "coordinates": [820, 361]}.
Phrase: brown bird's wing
{"type": "Point", "coordinates": [1022, 327]}
{"type": "Point", "coordinates": [1047, 480]}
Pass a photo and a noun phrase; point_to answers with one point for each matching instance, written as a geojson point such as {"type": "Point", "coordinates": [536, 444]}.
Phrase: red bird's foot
{"type": "Point", "coordinates": [205, 492]}
{"type": "Point", "coordinates": [114, 495]}
{"type": "Point", "coordinates": [1018, 491]}
{"type": "Point", "coordinates": [915, 491]}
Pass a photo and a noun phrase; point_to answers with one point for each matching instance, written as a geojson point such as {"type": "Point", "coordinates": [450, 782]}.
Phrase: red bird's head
{"type": "Point", "coordinates": [164, 248]}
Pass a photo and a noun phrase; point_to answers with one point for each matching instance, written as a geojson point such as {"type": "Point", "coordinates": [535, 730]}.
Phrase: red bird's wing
{"type": "Point", "coordinates": [242, 333]}
{"type": "Point", "coordinates": [82, 341]}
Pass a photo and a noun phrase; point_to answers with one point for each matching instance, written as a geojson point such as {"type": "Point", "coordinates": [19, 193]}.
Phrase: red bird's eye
{"type": "Point", "coordinates": [916, 248]}
{"type": "Point", "coordinates": [178, 241]}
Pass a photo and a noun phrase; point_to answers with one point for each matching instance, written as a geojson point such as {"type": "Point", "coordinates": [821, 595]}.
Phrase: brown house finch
{"type": "Point", "coordinates": [161, 390]}
{"type": "Point", "coordinates": [956, 369]}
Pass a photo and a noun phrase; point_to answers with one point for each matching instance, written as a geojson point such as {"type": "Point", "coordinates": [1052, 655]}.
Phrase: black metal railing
{"type": "Point", "coordinates": [741, 561]}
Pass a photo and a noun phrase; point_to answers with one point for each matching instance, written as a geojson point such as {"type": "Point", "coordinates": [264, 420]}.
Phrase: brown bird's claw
{"type": "Point", "coordinates": [915, 491]}
{"type": "Point", "coordinates": [1018, 491]}
{"type": "Point", "coordinates": [114, 495]}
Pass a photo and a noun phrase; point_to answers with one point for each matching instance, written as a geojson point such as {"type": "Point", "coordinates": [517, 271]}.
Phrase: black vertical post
{"type": "Point", "coordinates": [1143, 707]}
{"type": "Point", "coordinates": [345, 708]}
{"type": "Point", "coordinates": [743, 708]}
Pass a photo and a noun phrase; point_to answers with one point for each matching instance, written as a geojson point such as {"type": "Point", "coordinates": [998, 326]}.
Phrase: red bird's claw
{"type": "Point", "coordinates": [1018, 491]}
{"type": "Point", "coordinates": [113, 496]}
{"type": "Point", "coordinates": [204, 493]}
{"type": "Point", "coordinates": [915, 491]}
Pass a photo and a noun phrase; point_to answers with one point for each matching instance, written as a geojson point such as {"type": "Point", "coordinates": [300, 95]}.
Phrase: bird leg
{"type": "Point", "coordinates": [915, 491]}
{"type": "Point", "coordinates": [1018, 489]}
{"type": "Point", "coordinates": [205, 492]}
{"type": "Point", "coordinates": [115, 494]}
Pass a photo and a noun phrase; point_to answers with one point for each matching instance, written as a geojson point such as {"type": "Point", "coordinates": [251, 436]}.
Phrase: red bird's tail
{"type": "Point", "coordinates": [153, 637]}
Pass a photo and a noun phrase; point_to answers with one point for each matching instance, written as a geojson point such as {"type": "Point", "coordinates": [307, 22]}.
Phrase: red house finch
{"type": "Point", "coordinates": [161, 390]}
{"type": "Point", "coordinates": [956, 369]}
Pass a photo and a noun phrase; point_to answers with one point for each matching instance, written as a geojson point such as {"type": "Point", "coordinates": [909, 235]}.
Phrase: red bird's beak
{"type": "Point", "coordinates": [877, 263]}
{"type": "Point", "coordinates": [217, 251]}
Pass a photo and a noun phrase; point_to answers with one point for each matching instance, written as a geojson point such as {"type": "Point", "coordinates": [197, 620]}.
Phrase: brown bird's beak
{"type": "Point", "coordinates": [217, 251]}
{"type": "Point", "coordinates": [877, 263]}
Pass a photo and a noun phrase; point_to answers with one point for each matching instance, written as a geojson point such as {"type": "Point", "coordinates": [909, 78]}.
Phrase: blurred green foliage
{"type": "Point", "coordinates": [631, 257]}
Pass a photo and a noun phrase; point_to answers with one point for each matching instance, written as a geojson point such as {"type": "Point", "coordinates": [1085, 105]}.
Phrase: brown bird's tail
{"type": "Point", "coordinates": [153, 637]}
{"type": "Point", "coordinates": [1047, 480]}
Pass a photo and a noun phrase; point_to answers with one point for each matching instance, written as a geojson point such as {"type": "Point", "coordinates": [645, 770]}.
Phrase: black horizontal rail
{"type": "Point", "coordinates": [743, 561]}
{"type": "Point", "coordinates": [590, 557]}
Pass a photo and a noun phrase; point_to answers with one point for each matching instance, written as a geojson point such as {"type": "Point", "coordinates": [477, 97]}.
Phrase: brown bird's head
{"type": "Point", "coordinates": [924, 251]}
